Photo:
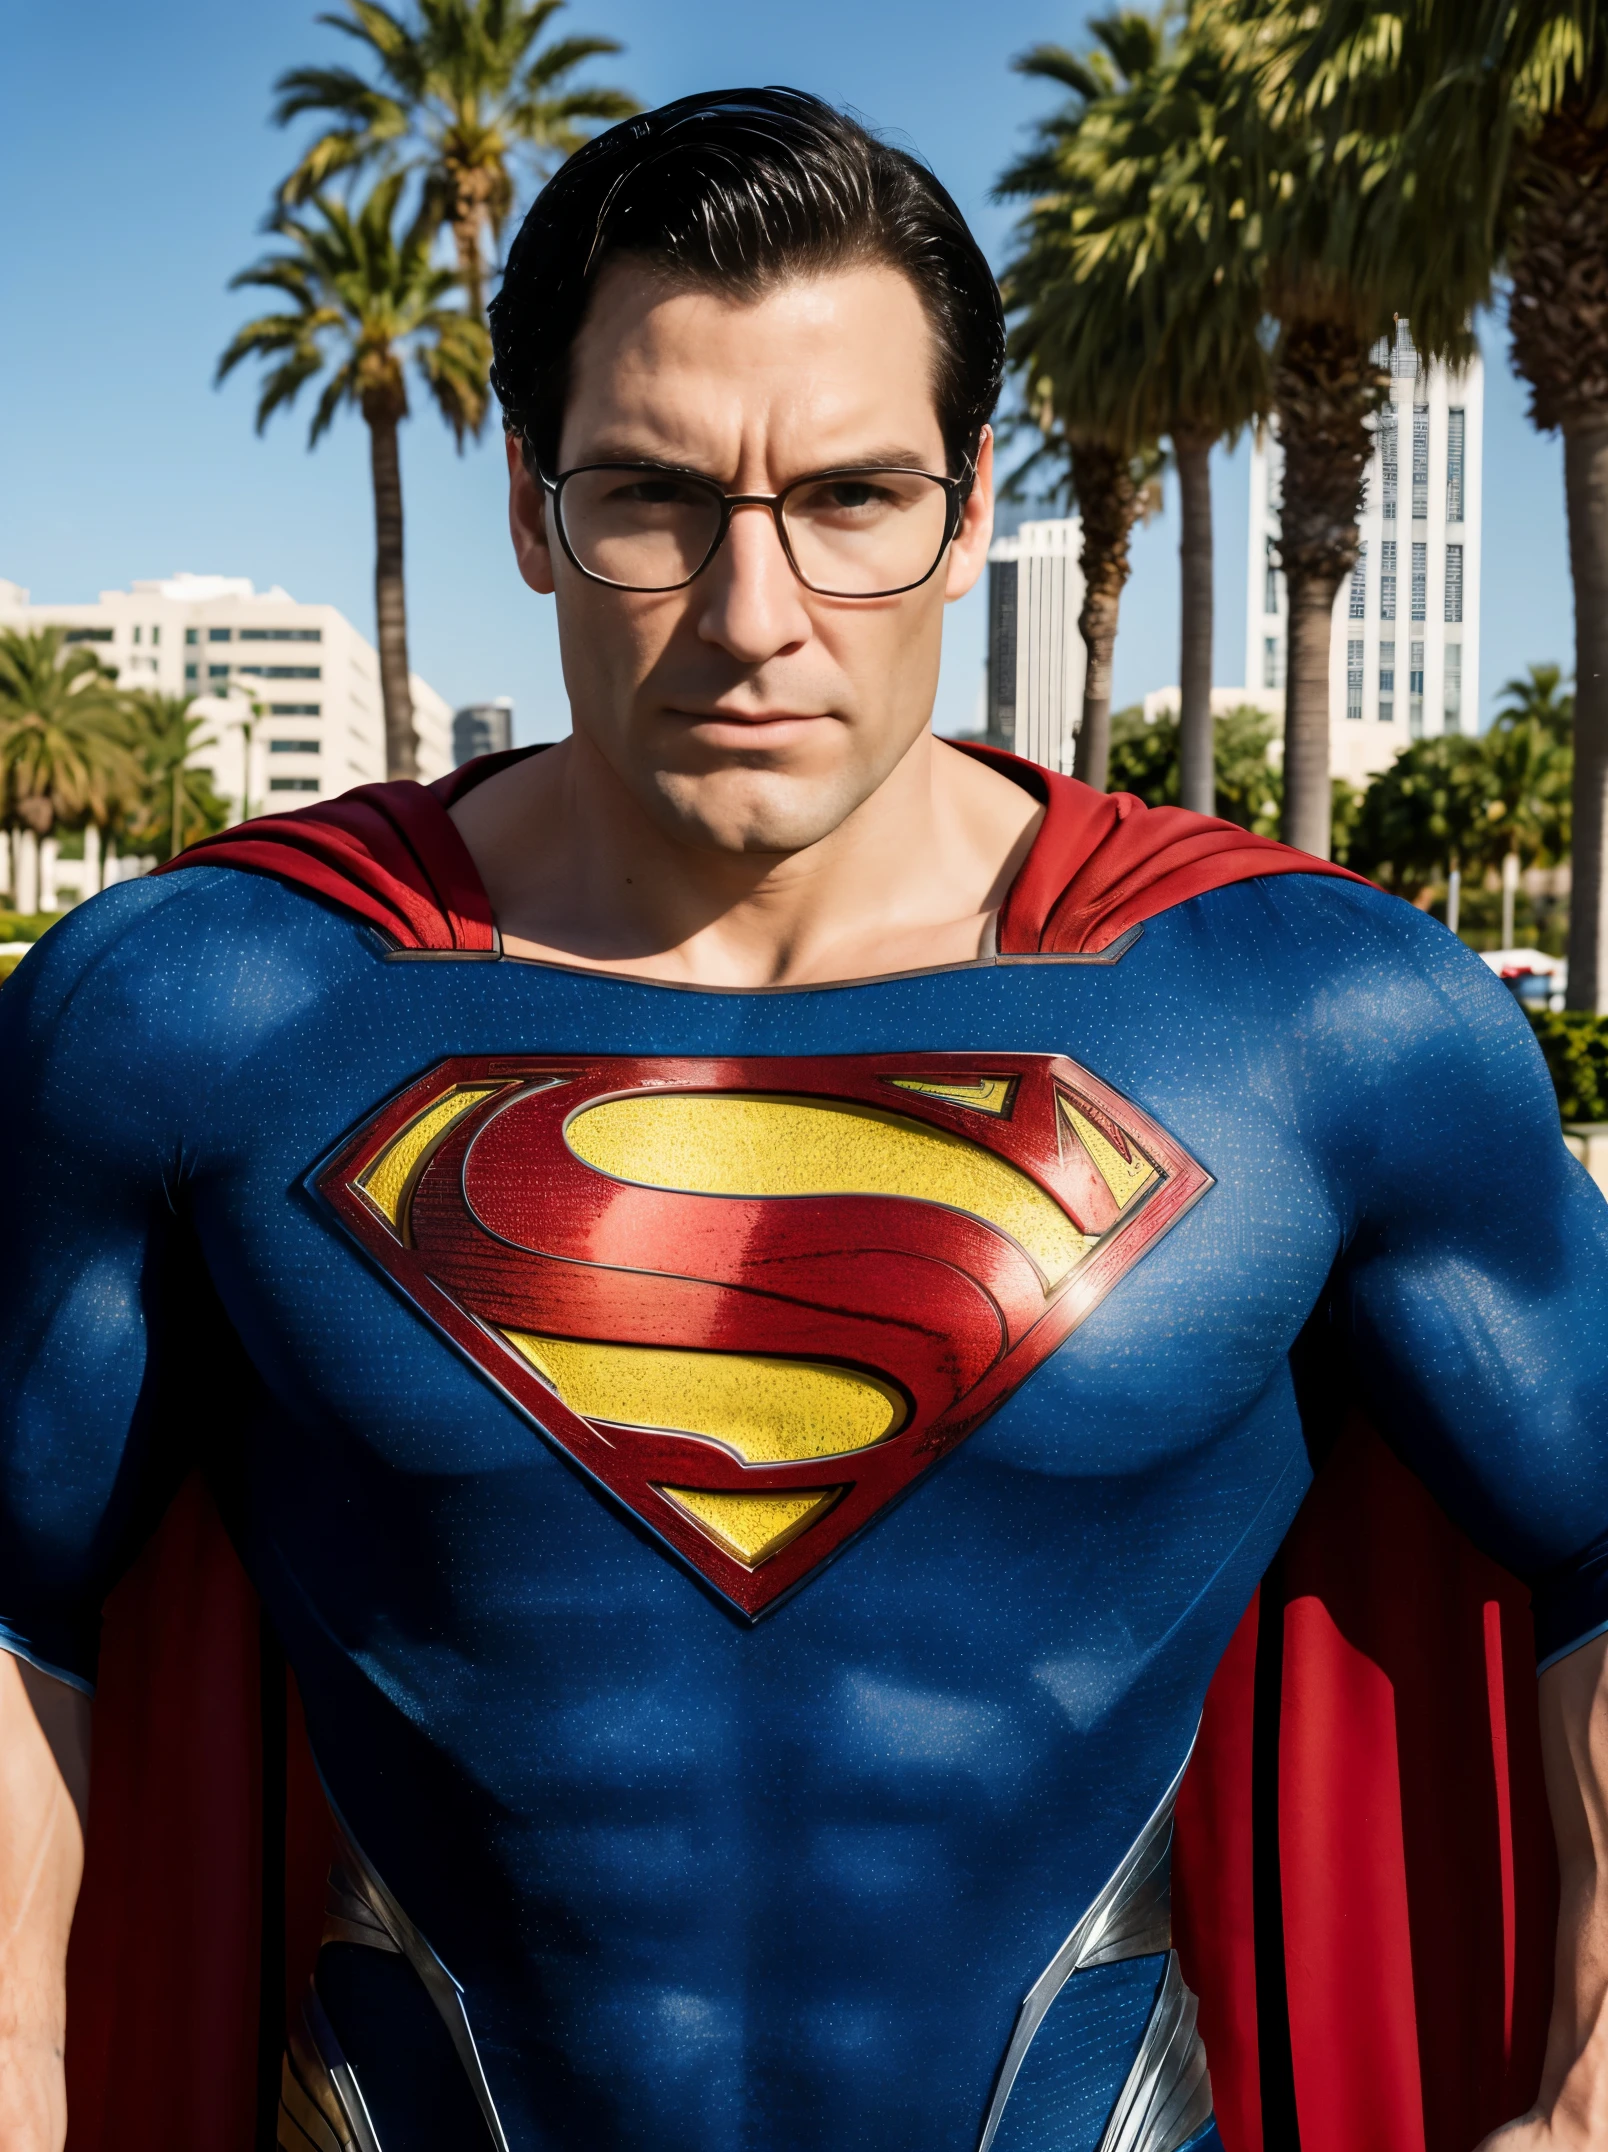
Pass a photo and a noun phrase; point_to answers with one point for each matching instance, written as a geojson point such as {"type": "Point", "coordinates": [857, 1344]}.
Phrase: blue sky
{"type": "Point", "coordinates": [137, 159]}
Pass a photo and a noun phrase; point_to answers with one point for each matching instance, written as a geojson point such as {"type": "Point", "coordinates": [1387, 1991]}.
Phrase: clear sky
{"type": "Point", "coordinates": [137, 160]}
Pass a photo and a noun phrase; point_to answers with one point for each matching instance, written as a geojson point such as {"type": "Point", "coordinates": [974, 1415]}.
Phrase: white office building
{"type": "Point", "coordinates": [289, 694]}
{"type": "Point", "coordinates": [1036, 658]}
{"type": "Point", "coordinates": [1404, 653]}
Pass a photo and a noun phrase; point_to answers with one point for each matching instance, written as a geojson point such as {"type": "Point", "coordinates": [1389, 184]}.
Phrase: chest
{"type": "Point", "coordinates": [758, 1293]}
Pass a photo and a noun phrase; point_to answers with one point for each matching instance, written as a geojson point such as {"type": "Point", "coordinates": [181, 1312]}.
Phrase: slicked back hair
{"type": "Point", "coordinates": [740, 191]}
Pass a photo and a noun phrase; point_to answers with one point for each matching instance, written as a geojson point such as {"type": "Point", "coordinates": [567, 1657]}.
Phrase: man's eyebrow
{"type": "Point", "coordinates": [897, 457]}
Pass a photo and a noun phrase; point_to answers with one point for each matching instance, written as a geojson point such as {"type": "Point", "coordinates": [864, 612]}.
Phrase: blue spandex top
{"type": "Point", "coordinates": [713, 1885]}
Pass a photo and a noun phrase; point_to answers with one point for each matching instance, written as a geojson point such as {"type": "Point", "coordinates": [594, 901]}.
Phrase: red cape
{"type": "Point", "coordinates": [1364, 1891]}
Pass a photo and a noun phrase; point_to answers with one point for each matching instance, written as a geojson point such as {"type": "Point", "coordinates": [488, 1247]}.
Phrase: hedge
{"type": "Point", "coordinates": [1575, 1044]}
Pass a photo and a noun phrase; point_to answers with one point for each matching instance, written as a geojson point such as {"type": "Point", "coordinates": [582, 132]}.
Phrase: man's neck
{"type": "Point", "coordinates": [578, 872]}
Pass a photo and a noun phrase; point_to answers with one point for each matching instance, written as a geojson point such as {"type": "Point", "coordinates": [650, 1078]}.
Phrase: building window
{"type": "Point", "coordinates": [1270, 662]}
{"type": "Point", "coordinates": [190, 636]}
{"type": "Point", "coordinates": [1454, 687]}
{"type": "Point", "coordinates": [1455, 433]}
{"type": "Point", "coordinates": [156, 637]}
{"type": "Point", "coordinates": [294, 709]}
{"type": "Point", "coordinates": [1415, 689]}
{"type": "Point", "coordinates": [1359, 585]}
{"type": "Point", "coordinates": [284, 672]}
{"type": "Point", "coordinates": [1454, 582]}
{"type": "Point", "coordinates": [1387, 683]}
{"type": "Point", "coordinates": [1387, 579]}
{"type": "Point", "coordinates": [1420, 462]}
{"type": "Point", "coordinates": [189, 672]}
{"type": "Point", "coordinates": [1420, 591]}
{"type": "Point", "coordinates": [1354, 678]}
{"type": "Point", "coordinates": [1270, 594]}
{"type": "Point", "coordinates": [220, 635]}
{"type": "Point", "coordinates": [293, 784]}
{"type": "Point", "coordinates": [281, 635]}
{"type": "Point", "coordinates": [89, 635]}
{"type": "Point", "coordinates": [138, 631]}
{"type": "Point", "coordinates": [217, 672]}
{"type": "Point", "coordinates": [293, 747]}
{"type": "Point", "coordinates": [1387, 463]}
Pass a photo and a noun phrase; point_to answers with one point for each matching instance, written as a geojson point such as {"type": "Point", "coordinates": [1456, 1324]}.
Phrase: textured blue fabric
{"type": "Point", "coordinates": [713, 1887]}
{"type": "Point", "coordinates": [1080, 2059]}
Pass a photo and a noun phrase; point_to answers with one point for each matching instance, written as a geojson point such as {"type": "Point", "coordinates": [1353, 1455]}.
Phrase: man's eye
{"type": "Point", "coordinates": [655, 493]}
{"type": "Point", "coordinates": [843, 496]}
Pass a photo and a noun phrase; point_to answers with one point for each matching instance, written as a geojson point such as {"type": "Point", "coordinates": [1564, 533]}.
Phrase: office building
{"type": "Point", "coordinates": [482, 728]}
{"type": "Point", "coordinates": [1036, 658]}
{"type": "Point", "coordinates": [1404, 654]}
{"type": "Point", "coordinates": [288, 694]}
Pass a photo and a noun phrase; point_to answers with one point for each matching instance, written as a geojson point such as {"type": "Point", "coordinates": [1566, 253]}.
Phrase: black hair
{"type": "Point", "coordinates": [741, 190]}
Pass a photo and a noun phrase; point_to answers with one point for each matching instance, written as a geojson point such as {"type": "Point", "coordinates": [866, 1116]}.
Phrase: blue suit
{"type": "Point", "coordinates": [713, 1885]}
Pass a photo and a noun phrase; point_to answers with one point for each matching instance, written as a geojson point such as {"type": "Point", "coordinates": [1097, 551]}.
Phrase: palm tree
{"type": "Point", "coordinates": [1139, 225]}
{"type": "Point", "coordinates": [1075, 370]}
{"type": "Point", "coordinates": [458, 89]}
{"type": "Point", "coordinates": [360, 301]}
{"type": "Point", "coordinates": [177, 803]}
{"type": "Point", "coordinates": [1541, 696]}
{"type": "Point", "coordinates": [63, 757]}
{"type": "Point", "coordinates": [1495, 117]}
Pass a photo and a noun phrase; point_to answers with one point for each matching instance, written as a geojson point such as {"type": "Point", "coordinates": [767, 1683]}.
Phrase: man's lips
{"type": "Point", "coordinates": [748, 720]}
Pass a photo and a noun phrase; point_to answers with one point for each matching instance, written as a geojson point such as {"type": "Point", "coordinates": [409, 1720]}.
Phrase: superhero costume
{"type": "Point", "coordinates": [705, 1882]}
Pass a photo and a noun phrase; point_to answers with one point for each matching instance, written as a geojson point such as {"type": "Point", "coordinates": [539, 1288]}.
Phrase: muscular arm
{"type": "Point", "coordinates": [1571, 2112]}
{"type": "Point", "coordinates": [44, 1783]}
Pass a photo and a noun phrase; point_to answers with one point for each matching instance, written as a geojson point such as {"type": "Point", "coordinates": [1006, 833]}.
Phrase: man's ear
{"type": "Point", "coordinates": [968, 551]}
{"type": "Point", "coordinates": [527, 519]}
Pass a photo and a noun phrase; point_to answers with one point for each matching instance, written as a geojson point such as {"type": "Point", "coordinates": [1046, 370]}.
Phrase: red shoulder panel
{"type": "Point", "coordinates": [388, 854]}
{"type": "Point", "coordinates": [1104, 861]}
{"type": "Point", "coordinates": [1101, 862]}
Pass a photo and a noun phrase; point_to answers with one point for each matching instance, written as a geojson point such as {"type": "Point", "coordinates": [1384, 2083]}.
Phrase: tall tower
{"type": "Point", "coordinates": [1036, 658]}
{"type": "Point", "coordinates": [1404, 651]}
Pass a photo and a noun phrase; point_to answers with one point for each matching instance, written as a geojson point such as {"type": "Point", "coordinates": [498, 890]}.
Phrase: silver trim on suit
{"type": "Point", "coordinates": [321, 2104]}
{"type": "Point", "coordinates": [1168, 2096]}
{"type": "Point", "coordinates": [361, 1910]}
{"type": "Point", "coordinates": [1130, 1918]}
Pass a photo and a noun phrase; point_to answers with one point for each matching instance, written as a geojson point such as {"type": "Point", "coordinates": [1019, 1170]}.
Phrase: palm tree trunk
{"type": "Point", "coordinates": [1196, 756]}
{"type": "Point", "coordinates": [1109, 501]}
{"type": "Point", "coordinates": [390, 599]}
{"type": "Point", "coordinates": [466, 223]}
{"type": "Point", "coordinates": [1585, 475]}
{"type": "Point", "coordinates": [1326, 389]}
{"type": "Point", "coordinates": [1305, 822]}
{"type": "Point", "coordinates": [1097, 624]}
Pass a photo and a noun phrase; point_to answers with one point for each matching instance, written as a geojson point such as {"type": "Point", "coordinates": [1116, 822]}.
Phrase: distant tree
{"type": "Point", "coordinates": [461, 91]}
{"type": "Point", "coordinates": [1136, 242]}
{"type": "Point", "coordinates": [1539, 694]}
{"type": "Point", "coordinates": [1075, 368]}
{"type": "Point", "coordinates": [177, 803]}
{"type": "Point", "coordinates": [1146, 760]}
{"type": "Point", "coordinates": [1432, 810]}
{"type": "Point", "coordinates": [64, 760]}
{"type": "Point", "coordinates": [361, 300]}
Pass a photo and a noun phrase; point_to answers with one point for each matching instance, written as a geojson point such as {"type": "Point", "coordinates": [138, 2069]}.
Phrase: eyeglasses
{"type": "Point", "coordinates": [846, 534]}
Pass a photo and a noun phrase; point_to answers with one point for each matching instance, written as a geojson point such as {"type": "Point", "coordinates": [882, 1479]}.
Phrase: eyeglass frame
{"type": "Point", "coordinates": [957, 492]}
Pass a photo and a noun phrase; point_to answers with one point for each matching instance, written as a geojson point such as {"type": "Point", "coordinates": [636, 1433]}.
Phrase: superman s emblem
{"type": "Point", "coordinates": [757, 1299]}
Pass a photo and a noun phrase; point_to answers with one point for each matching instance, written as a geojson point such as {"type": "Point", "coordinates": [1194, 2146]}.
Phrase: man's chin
{"type": "Point", "coordinates": [751, 812]}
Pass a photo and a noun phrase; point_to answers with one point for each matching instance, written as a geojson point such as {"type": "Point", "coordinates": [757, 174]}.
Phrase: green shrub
{"type": "Point", "coordinates": [25, 926]}
{"type": "Point", "coordinates": [1576, 1047]}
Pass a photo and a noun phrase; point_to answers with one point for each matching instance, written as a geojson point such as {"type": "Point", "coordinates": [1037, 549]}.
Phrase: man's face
{"type": "Point", "coordinates": [745, 712]}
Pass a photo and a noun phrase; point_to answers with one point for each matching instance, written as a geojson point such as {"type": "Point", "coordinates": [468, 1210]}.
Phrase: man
{"type": "Point", "coordinates": [756, 1268]}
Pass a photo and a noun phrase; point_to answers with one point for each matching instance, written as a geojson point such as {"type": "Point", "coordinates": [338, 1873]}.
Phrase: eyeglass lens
{"type": "Point", "coordinates": [853, 534]}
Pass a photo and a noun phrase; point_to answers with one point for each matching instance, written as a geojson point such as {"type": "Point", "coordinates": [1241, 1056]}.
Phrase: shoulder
{"type": "Point", "coordinates": [186, 964]}
{"type": "Point", "coordinates": [1389, 1040]}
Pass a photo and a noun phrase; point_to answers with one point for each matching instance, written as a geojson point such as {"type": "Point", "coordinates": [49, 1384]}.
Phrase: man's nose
{"type": "Point", "coordinates": [753, 604]}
